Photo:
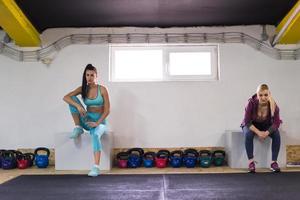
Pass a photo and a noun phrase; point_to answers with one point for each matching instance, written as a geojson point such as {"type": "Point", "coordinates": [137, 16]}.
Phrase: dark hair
{"type": "Point", "coordinates": [84, 87]}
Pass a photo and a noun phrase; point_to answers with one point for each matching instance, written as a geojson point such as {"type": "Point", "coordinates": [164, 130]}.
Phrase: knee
{"type": "Point", "coordinates": [249, 134]}
{"type": "Point", "coordinates": [75, 98]}
{"type": "Point", "coordinates": [275, 135]}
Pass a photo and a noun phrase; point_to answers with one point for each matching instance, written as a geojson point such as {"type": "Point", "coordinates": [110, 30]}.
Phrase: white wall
{"type": "Point", "coordinates": [151, 114]}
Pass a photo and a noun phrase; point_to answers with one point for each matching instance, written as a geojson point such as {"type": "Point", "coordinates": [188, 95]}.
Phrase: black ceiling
{"type": "Point", "coordinates": [153, 13]}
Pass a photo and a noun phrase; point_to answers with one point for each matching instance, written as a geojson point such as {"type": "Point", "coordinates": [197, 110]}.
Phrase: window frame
{"type": "Point", "coordinates": [166, 50]}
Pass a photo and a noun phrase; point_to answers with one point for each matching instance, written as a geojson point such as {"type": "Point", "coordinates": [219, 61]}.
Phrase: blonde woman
{"type": "Point", "coordinates": [262, 119]}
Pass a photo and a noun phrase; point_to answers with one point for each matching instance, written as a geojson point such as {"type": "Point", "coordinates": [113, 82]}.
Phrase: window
{"type": "Point", "coordinates": [163, 63]}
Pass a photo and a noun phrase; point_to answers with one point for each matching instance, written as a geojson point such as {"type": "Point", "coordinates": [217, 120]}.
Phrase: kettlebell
{"type": "Point", "coordinates": [1, 152]}
{"type": "Point", "coordinates": [205, 158]}
{"type": "Point", "coordinates": [135, 156]}
{"type": "Point", "coordinates": [41, 160]}
{"type": "Point", "coordinates": [148, 159]}
{"type": "Point", "coordinates": [30, 157]}
{"type": "Point", "coordinates": [218, 157]}
{"type": "Point", "coordinates": [162, 157]}
{"type": "Point", "coordinates": [190, 157]}
{"type": "Point", "coordinates": [122, 159]}
{"type": "Point", "coordinates": [176, 158]}
{"type": "Point", "coordinates": [9, 160]}
{"type": "Point", "coordinates": [22, 162]}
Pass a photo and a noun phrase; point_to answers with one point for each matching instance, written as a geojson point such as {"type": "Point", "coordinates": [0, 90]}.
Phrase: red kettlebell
{"type": "Point", "coordinates": [22, 162]}
{"type": "Point", "coordinates": [122, 158]}
{"type": "Point", "coordinates": [162, 157]}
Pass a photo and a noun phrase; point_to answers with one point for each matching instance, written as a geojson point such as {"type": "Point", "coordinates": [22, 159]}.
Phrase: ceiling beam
{"type": "Point", "coordinates": [17, 26]}
{"type": "Point", "coordinates": [288, 31]}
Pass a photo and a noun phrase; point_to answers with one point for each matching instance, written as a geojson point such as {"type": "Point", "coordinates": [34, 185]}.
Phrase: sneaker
{"type": "Point", "coordinates": [76, 132]}
{"type": "Point", "coordinates": [94, 172]}
{"type": "Point", "coordinates": [251, 167]}
{"type": "Point", "coordinates": [275, 167]}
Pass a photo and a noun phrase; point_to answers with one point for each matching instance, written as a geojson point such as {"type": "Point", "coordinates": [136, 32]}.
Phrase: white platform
{"type": "Point", "coordinates": [236, 152]}
{"type": "Point", "coordinates": [78, 154]}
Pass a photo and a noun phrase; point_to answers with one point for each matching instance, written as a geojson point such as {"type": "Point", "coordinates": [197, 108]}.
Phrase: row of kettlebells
{"type": "Point", "coordinates": [190, 158]}
{"type": "Point", "coordinates": [11, 159]}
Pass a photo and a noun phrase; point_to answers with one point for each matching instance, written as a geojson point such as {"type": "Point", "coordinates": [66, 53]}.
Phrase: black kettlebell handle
{"type": "Point", "coordinates": [191, 151]}
{"type": "Point", "coordinates": [42, 149]}
{"type": "Point", "coordinates": [163, 153]}
{"type": "Point", "coordinates": [176, 152]}
{"type": "Point", "coordinates": [150, 155]}
{"type": "Point", "coordinates": [218, 152]}
{"type": "Point", "coordinates": [204, 153]}
{"type": "Point", "coordinates": [29, 156]}
{"type": "Point", "coordinates": [140, 151]}
{"type": "Point", "coordinates": [9, 154]}
{"type": "Point", "coordinates": [122, 155]}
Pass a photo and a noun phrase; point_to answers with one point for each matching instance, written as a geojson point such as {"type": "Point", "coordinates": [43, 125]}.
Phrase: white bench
{"type": "Point", "coordinates": [236, 152]}
{"type": "Point", "coordinates": [78, 154]}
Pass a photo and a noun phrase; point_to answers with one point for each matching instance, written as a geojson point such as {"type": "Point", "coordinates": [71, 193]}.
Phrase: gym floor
{"type": "Point", "coordinates": [6, 175]}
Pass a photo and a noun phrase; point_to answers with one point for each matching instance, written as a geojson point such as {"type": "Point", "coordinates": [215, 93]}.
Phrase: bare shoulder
{"type": "Point", "coordinates": [103, 89]}
{"type": "Point", "coordinates": [78, 90]}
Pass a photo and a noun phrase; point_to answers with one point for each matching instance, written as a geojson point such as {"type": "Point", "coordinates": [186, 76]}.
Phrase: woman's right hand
{"type": "Point", "coordinates": [81, 111]}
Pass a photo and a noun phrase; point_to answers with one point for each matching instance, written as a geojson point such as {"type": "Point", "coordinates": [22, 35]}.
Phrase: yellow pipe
{"type": "Point", "coordinates": [17, 26]}
{"type": "Point", "coordinates": [288, 30]}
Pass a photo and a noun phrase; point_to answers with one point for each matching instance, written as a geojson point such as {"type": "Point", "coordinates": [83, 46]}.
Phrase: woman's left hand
{"type": "Point", "coordinates": [92, 124]}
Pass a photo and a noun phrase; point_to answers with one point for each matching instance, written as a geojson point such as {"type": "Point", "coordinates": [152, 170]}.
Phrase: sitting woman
{"type": "Point", "coordinates": [262, 119]}
{"type": "Point", "coordinates": [93, 119]}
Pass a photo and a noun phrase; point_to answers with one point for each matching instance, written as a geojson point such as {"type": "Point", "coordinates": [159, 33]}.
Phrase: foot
{"type": "Point", "coordinates": [94, 172]}
{"type": "Point", "coordinates": [76, 132]}
{"type": "Point", "coordinates": [251, 167]}
{"type": "Point", "coordinates": [275, 167]}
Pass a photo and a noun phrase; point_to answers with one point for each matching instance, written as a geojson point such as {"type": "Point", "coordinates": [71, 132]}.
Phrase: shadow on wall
{"type": "Point", "coordinates": [126, 121]}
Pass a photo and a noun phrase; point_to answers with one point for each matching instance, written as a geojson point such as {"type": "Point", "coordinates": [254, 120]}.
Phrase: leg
{"type": "Point", "coordinates": [75, 114]}
{"type": "Point", "coordinates": [275, 145]}
{"type": "Point", "coordinates": [78, 120]}
{"type": "Point", "coordinates": [249, 136]}
{"type": "Point", "coordinates": [96, 134]}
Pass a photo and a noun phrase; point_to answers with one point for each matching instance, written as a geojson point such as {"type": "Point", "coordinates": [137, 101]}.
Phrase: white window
{"type": "Point", "coordinates": [163, 63]}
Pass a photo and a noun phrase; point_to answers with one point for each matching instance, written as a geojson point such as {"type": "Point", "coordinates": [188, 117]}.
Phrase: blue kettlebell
{"type": "Point", "coordinates": [135, 156]}
{"type": "Point", "coordinates": [42, 160]}
{"type": "Point", "coordinates": [190, 158]}
{"type": "Point", "coordinates": [148, 159]}
{"type": "Point", "coordinates": [176, 158]}
{"type": "Point", "coordinates": [8, 159]}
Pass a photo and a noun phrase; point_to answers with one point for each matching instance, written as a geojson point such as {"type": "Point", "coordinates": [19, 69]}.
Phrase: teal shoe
{"type": "Point", "coordinates": [76, 132]}
{"type": "Point", "coordinates": [94, 172]}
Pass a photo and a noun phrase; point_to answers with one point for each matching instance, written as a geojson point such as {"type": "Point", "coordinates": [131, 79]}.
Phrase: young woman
{"type": "Point", "coordinates": [93, 118]}
{"type": "Point", "coordinates": [262, 119]}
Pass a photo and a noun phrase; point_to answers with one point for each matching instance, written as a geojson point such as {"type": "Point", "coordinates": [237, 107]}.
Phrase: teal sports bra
{"type": "Point", "coordinates": [98, 101]}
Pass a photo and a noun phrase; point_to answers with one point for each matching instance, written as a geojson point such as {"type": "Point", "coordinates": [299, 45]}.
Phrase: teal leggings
{"type": "Point", "coordinates": [96, 132]}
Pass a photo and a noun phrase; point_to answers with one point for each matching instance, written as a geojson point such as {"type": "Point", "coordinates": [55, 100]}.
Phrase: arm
{"type": "Point", "coordinates": [68, 99]}
{"type": "Point", "coordinates": [248, 115]}
{"type": "Point", "coordinates": [248, 119]}
{"type": "Point", "coordinates": [276, 121]}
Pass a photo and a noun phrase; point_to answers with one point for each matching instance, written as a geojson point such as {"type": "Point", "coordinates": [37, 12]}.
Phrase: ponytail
{"type": "Point", "coordinates": [84, 86]}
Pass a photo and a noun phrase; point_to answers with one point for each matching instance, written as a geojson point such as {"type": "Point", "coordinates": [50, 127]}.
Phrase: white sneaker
{"type": "Point", "coordinates": [95, 171]}
{"type": "Point", "coordinates": [76, 132]}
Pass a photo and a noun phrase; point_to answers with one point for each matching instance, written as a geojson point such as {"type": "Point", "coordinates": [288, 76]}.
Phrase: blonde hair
{"type": "Point", "coordinates": [263, 87]}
